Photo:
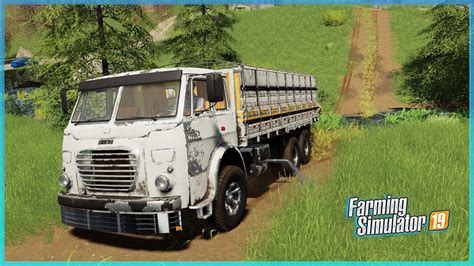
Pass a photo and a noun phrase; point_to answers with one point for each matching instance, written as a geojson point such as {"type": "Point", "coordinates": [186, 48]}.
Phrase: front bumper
{"type": "Point", "coordinates": [122, 215]}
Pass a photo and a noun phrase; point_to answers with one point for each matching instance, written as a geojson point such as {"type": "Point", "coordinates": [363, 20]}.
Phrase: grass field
{"type": "Point", "coordinates": [293, 38]}
{"type": "Point", "coordinates": [425, 161]}
{"type": "Point", "coordinates": [32, 168]}
{"type": "Point", "coordinates": [28, 42]}
{"type": "Point", "coordinates": [407, 22]}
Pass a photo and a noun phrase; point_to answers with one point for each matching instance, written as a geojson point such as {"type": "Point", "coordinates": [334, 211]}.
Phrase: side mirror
{"type": "Point", "coordinates": [215, 87]}
{"type": "Point", "coordinates": [64, 101]}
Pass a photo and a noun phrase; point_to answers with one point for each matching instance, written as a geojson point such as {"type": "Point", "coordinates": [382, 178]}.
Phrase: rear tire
{"type": "Point", "coordinates": [291, 153]}
{"type": "Point", "coordinates": [231, 199]}
{"type": "Point", "coordinates": [305, 144]}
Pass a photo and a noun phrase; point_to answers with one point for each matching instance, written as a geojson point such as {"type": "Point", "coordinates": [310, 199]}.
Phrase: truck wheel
{"type": "Point", "coordinates": [304, 143]}
{"type": "Point", "coordinates": [291, 153]}
{"type": "Point", "coordinates": [231, 199]}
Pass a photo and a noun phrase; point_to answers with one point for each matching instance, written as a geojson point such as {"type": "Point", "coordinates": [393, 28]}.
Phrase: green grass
{"type": "Point", "coordinates": [24, 34]}
{"type": "Point", "coordinates": [293, 38]}
{"type": "Point", "coordinates": [425, 161]}
{"type": "Point", "coordinates": [30, 42]}
{"type": "Point", "coordinates": [32, 168]}
{"type": "Point", "coordinates": [406, 23]}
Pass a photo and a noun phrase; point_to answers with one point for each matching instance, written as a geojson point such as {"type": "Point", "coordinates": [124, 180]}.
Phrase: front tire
{"type": "Point", "coordinates": [231, 199]}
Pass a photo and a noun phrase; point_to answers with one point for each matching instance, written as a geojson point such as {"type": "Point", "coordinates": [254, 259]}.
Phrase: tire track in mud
{"type": "Point", "coordinates": [350, 64]}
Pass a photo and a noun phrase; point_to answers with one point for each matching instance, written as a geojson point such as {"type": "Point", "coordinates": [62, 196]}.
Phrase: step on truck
{"type": "Point", "coordinates": [141, 147]}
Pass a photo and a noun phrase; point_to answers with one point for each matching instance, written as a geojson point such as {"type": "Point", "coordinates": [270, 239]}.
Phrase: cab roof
{"type": "Point", "coordinates": [141, 77]}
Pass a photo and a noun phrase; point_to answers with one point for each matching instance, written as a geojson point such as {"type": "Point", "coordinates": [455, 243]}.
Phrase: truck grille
{"type": "Point", "coordinates": [107, 170]}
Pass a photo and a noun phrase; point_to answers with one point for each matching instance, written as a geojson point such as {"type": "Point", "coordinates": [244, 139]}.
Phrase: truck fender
{"type": "Point", "coordinates": [223, 154]}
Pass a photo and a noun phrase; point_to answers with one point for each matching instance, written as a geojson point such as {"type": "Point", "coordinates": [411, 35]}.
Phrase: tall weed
{"type": "Point", "coordinates": [369, 62]}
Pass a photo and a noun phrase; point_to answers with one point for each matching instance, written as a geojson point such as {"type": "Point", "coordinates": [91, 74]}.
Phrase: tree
{"type": "Point", "coordinates": [87, 41]}
{"type": "Point", "coordinates": [202, 34]}
{"type": "Point", "coordinates": [440, 72]}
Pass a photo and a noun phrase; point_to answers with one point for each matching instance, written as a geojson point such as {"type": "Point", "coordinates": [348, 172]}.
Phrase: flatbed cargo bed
{"type": "Point", "coordinates": [271, 102]}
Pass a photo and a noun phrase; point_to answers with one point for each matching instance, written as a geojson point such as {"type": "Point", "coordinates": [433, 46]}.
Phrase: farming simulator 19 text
{"type": "Point", "coordinates": [389, 216]}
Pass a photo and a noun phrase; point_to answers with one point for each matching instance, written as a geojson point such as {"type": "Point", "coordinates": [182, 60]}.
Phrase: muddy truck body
{"type": "Point", "coordinates": [141, 147]}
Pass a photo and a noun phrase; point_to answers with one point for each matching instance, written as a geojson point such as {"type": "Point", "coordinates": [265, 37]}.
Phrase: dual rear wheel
{"type": "Point", "coordinates": [297, 150]}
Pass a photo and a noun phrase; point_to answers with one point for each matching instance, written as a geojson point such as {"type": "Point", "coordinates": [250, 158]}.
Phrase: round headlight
{"type": "Point", "coordinates": [162, 183]}
{"type": "Point", "coordinates": [64, 181]}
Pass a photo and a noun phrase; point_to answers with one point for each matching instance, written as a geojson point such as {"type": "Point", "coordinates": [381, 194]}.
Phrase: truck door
{"type": "Point", "coordinates": [226, 119]}
{"type": "Point", "coordinates": [203, 134]}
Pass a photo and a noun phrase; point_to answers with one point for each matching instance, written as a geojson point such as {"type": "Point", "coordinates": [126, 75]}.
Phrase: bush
{"type": "Point", "coordinates": [415, 115]}
{"type": "Point", "coordinates": [408, 116]}
{"type": "Point", "coordinates": [11, 106]}
{"type": "Point", "coordinates": [334, 18]}
{"type": "Point", "coordinates": [327, 131]}
{"type": "Point", "coordinates": [47, 101]}
{"type": "Point", "coordinates": [330, 122]}
{"type": "Point", "coordinates": [440, 72]}
{"type": "Point", "coordinates": [19, 103]}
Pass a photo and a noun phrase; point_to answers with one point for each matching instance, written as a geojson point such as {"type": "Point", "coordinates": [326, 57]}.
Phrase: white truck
{"type": "Point", "coordinates": [142, 146]}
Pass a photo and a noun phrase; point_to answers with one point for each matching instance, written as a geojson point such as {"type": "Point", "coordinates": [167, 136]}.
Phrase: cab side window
{"type": "Point", "coordinates": [200, 100]}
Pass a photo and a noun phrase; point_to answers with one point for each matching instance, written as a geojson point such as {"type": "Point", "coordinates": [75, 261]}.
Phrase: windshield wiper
{"type": "Point", "coordinates": [89, 120]}
{"type": "Point", "coordinates": [154, 118]}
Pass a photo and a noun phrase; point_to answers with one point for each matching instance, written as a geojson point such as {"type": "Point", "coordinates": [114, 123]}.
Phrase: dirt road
{"type": "Point", "coordinates": [386, 67]}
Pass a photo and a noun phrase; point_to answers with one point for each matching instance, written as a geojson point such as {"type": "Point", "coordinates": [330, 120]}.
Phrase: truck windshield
{"type": "Point", "coordinates": [95, 105]}
{"type": "Point", "coordinates": [149, 101]}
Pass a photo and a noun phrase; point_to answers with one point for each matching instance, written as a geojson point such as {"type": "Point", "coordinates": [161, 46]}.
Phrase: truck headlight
{"type": "Point", "coordinates": [65, 181]}
{"type": "Point", "coordinates": [162, 183]}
